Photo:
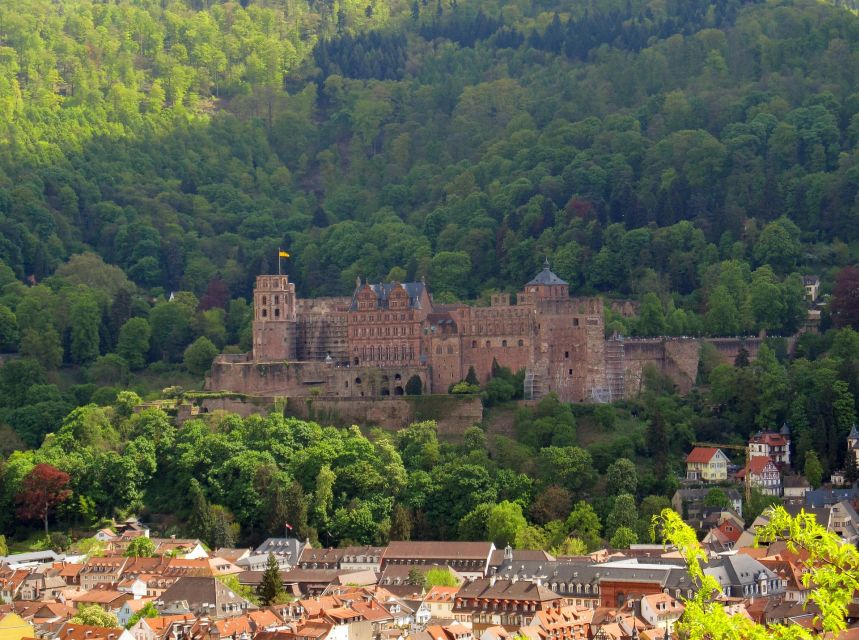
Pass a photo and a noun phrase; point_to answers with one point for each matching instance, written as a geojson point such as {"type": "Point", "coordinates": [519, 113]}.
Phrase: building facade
{"type": "Point", "coordinates": [373, 343]}
{"type": "Point", "coordinates": [708, 464]}
{"type": "Point", "coordinates": [385, 334]}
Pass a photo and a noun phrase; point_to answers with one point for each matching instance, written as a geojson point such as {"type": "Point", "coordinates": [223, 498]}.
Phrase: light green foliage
{"type": "Point", "coordinates": [584, 524]}
{"type": "Point", "coordinates": [812, 470]}
{"type": "Point", "coordinates": [439, 577]}
{"type": "Point", "coordinates": [831, 572]}
{"type": "Point", "coordinates": [235, 586]}
{"type": "Point", "coordinates": [141, 547]}
{"type": "Point", "coordinates": [504, 523]}
{"type": "Point", "coordinates": [623, 538]}
{"type": "Point", "coordinates": [148, 611]}
{"type": "Point", "coordinates": [94, 615]}
{"type": "Point", "coordinates": [571, 547]}
{"type": "Point", "coordinates": [531, 537]}
{"type": "Point", "coordinates": [199, 355]}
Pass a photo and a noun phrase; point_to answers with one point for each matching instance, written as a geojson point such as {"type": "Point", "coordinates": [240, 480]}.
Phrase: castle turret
{"type": "Point", "coordinates": [274, 327]}
{"type": "Point", "coordinates": [545, 286]}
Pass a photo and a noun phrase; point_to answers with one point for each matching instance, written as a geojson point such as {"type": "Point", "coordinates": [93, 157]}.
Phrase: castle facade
{"type": "Point", "coordinates": [372, 343]}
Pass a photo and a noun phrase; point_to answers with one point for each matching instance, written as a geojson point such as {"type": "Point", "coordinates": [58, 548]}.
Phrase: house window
{"type": "Point", "coordinates": [521, 343]}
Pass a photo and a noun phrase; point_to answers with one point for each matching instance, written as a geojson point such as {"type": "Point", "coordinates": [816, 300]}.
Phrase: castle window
{"type": "Point", "coordinates": [438, 349]}
{"type": "Point", "coordinates": [265, 300]}
{"type": "Point", "coordinates": [570, 371]}
{"type": "Point", "coordinates": [277, 299]}
{"type": "Point", "coordinates": [356, 362]}
{"type": "Point", "coordinates": [450, 349]}
{"type": "Point", "coordinates": [503, 343]}
{"type": "Point", "coordinates": [264, 313]}
{"type": "Point", "coordinates": [566, 354]}
{"type": "Point", "coordinates": [474, 344]}
{"type": "Point", "coordinates": [521, 343]}
{"type": "Point", "coordinates": [277, 313]}
{"type": "Point", "coordinates": [397, 376]}
{"type": "Point", "coordinates": [488, 344]}
{"type": "Point", "coordinates": [575, 322]}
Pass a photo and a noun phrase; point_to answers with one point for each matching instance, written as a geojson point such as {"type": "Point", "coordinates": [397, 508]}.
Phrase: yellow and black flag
{"type": "Point", "coordinates": [280, 255]}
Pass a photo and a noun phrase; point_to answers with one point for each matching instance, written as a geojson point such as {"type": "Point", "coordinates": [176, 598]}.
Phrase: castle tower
{"type": "Point", "coordinates": [545, 286]}
{"type": "Point", "coordinates": [274, 326]}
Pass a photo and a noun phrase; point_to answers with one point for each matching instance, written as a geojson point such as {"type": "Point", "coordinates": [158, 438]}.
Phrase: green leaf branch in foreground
{"type": "Point", "coordinates": [832, 569]}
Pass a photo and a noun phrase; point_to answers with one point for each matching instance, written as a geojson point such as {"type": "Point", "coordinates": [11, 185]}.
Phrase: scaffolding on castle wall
{"type": "Point", "coordinates": [615, 368]}
{"type": "Point", "coordinates": [533, 386]}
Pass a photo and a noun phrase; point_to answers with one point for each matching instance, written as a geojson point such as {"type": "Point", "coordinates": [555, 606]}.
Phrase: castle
{"type": "Point", "coordinates": [373, 343]}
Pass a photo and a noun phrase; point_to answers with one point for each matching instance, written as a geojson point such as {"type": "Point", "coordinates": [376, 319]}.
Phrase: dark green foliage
{"type": "Point", "coordinates": [271, 586]}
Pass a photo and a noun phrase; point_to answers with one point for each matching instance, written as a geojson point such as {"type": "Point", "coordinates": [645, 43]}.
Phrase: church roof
{"type": "Point", "coordinates": [547, 276]}
{"type": "Point", "coordinates": [854, 433]}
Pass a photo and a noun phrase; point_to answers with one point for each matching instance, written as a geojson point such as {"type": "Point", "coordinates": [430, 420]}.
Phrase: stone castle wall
{"type": "Point", "coordinates": [453, 414]}
{"type": "Point", "coordinates": [678, 358]}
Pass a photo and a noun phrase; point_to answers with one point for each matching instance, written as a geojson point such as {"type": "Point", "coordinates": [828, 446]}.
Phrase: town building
{"type": "Point", "coordinates": [468, 559]}
{"type": "Point", "coordinates": [812, 287]}
{"type": "Point", "coordinates": [707, 464]}
{"type": "Point", "coordinates": [769, 444]}
{"type": "Point", "coordinates": [762, 473]}
{"type": "Point", "coordinates": [511, 604]}
{"type": "Point", "coordinates": [853, 444]}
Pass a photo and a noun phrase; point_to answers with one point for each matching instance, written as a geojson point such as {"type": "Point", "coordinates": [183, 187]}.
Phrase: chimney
{"type": "Point", "coordinates": [492, 580]}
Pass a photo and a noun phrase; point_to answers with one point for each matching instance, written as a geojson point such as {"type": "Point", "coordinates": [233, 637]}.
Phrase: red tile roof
{"type": "Point", "coordinates": [701, 455]}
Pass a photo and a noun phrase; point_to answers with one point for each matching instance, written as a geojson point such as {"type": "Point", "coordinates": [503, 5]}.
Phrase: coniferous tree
{"type": "Point", "coordinates": [200, 518]}
{"type": "Point", "coordinates": [271, 586]}
{"type": "Point", "coordinates": [471, 377]}
{"type": "Point", "coordinates": [401, 523]}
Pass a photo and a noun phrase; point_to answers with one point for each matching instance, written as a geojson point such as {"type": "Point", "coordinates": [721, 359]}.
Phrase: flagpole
{"type": "Point", "coordinates": [278, 261]}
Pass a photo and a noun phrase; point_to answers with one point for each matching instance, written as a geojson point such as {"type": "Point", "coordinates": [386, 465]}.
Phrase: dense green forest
{"type": "Point", "coordinates": [567, 478]}
{"type": "Point", "coordinates": [696, 156]}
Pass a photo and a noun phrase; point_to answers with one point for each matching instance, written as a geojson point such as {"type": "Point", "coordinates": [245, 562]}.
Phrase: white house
{"type": "Point", "coordinates": [661, 610]}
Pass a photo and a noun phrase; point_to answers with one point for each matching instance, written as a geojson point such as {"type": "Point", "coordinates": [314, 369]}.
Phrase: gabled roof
{"type": "Point", "coordinates": [854, 432]}
{"type": "Point", "coordinates": [383, 290]}
{"type": "Point", "coordinates": [769, 438]}
{"type": "Point", "coordinates": [702, 455]}
{"type": "Point", "coordinates": [758, 465]}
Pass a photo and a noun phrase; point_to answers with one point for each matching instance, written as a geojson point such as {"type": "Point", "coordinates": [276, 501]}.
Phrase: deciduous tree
{"type": "Point", "coordinates": [42, 490]}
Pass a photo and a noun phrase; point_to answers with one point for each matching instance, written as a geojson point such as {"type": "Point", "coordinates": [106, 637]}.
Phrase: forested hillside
{"type": "Point", "coordinates": [696, 156]}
